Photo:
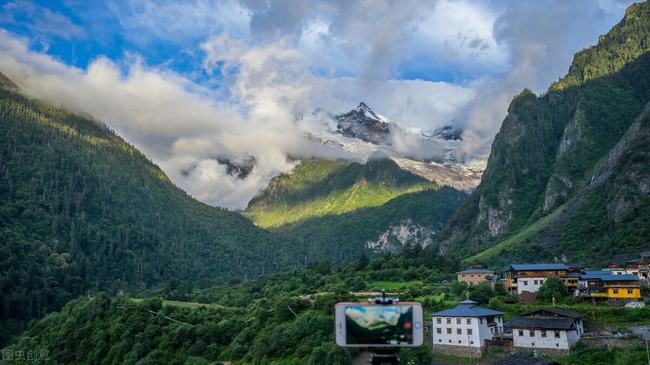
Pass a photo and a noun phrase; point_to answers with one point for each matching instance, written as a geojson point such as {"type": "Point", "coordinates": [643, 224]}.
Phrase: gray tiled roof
{"type": "Point", "coordinates": [544, 323]}
{"type": "Point", "coordinates": [554, 311]}
{"type": "Point", "coordinates": [546, 318]}
{"type": "Point", "coordinates": [609, 277]}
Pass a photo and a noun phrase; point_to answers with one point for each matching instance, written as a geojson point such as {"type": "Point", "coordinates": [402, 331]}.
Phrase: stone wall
{"type": "Point", "coordinates": [542, 351]}
{"type": "Point", "coordinates": [613, 342]}
{"type": "Point", "coordinates": [458, 350]}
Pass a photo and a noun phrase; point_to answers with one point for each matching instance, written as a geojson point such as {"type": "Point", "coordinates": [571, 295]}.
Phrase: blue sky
{"type": "Point", "coordinates": [186, 81]}
{"type": "Point", "coordinates": [77, 32]}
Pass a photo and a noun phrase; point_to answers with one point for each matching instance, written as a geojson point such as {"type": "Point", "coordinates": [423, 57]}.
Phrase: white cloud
{"type": "Point", "coordinates": [148, 21]}
{"type": "Point", "coordinates": [273, 66]}
{"type": "Point", "coordinates": [462, 31]}
{"type": "Point", "coordinates": [185, 128]}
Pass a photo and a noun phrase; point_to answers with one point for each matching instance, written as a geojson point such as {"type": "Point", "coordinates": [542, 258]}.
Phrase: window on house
{"type": "Point", "coordinates": [439, 340]}
{"type": "Point", "coordinates": [439, 330]}
{"type": "Point", "coordinates": [557, 334]}
{"type": "Point", "coordinates": [472, 342]}
{"type": "Point", "coordinates": [543, 333]}
{"type": "Point", "coordinates": [535, 282]}
{"type": "Point", "coordinates": [629, 291]}
{"type": "Point", "coordinates": [469, 331]}
{"type": "Point", "coordinates": [459, 331]}
{"type": "Point", "coordinates": [449, 341]}
{"type": "Point", "coordinates": [480, 320]}
{"type": "Point", "coordinates": [449, 331]}
{"type": "Point", "coordinates": [469, 321]}
{"type": "Point", "coordinates": [457, 320]}
{"type": "Point", "coordinates": [521, 332]}
{"type": "Point", "coordinates": [615, 291]}
{"type": "Point", "coordinates": [532, 333]}
{"type": "Point", "coordinates": [438, 320]}
{"type": "Point", "coordinates": [458, 341]}
{"type": "Point", "coordinates": [448, 320]}
{"type": "Point", "coordinates": [557, 345]}
{"type": "Point", "coordinates": [525, 282]}
{"type": "Point", "coordinates": [541, 281]}
{"type": "Point", "coordinates": [532, 344]}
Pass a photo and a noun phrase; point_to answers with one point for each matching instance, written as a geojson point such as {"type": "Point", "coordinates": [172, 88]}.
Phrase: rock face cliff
{"type": "Point", "coordinates": [571, 157]}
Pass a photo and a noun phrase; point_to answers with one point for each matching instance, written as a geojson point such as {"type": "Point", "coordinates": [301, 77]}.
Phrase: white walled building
{"type": "Point", "coordinates": [553, 330]}
{"type": "Point", "coordinates": [528, 278]}
{"type": "Point", "coordinates": [463, 330]}
{"type": "Point", "coordinates": [530, 285]}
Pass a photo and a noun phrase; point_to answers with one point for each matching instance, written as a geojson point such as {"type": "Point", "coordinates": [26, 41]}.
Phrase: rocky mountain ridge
{"type": "Point", "coordinates": [553, 167]}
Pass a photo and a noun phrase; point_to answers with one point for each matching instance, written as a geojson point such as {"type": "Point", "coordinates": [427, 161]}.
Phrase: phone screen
{"type": "Point", "coordinates": [379, 325]}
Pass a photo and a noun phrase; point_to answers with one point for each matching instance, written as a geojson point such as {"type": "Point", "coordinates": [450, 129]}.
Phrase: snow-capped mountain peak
{"type": "Point", "coordinates": [361, 134]}
{"type": "Point", "coordinates": [363, 123]}
{"type": "Point", "coordinates": [369, 113]}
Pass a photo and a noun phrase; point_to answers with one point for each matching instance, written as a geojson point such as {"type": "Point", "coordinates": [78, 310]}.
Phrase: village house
{"type": "Point", "coordinates": [528, 278]}
{"type": "Point", "coordinates": [551, 330]}
{"type": "Point", "coordinates": [640, 267]}
{"type": "Point", "coordinates": [606, 285]}
{"type": "Point", "coordinates": [476, 276]}
{"type": "Point", "coordinates": [464, 329]}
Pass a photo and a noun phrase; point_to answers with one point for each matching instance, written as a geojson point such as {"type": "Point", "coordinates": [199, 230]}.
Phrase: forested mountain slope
{"type": "Point", "coordinates": [552, 186]}
{"type": "Point", "coordinates": [80, 209]}
{"type": "Point", "coordinates": [340, 209]}
{"type": "Point", "coordinates": [316, 188]}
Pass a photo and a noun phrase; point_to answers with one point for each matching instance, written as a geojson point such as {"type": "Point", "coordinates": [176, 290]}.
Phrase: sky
{"type": "Point", "coordinates": [189, 82]}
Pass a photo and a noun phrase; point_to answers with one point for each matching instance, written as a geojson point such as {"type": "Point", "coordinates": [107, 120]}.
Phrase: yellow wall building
{"type": "Point", "coordinates": [606, 285]}
{"type": "Point", "coordinates": [475, 276]}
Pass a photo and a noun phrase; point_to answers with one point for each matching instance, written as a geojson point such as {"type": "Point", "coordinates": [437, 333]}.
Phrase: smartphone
{"type": "Point", "coordinates": [377, 325]}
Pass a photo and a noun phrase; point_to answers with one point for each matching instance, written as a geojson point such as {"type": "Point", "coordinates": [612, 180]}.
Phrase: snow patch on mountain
{"type": "Point", "coordinates": [406, 233]}
{"type": "Point", "coordinates": [464, 177]}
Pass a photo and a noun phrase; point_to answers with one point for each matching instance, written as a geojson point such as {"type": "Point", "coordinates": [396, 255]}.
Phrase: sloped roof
{"type": "Point", "coordinates": [467, 308]}
{"type": "Point", "coordinates": [532, 267]}
{"type": "Point", "coordinates": [553, 312]}
{"type": "Point", "coordinates": [608, 276]}
{"type": "Point", "coordinates": [541, 322]}
{"type": "Point", "coordinates": [474, 271]}
{"type": "Point", "coordinates": [546, 318]}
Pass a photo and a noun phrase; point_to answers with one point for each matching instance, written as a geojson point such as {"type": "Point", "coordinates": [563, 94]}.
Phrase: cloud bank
{"type": "Point", "coordinates": [269, 65]}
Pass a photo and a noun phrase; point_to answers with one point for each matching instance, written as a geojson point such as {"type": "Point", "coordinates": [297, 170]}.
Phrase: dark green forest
{"type": "Point", "coordinates": [81, 210]}
{"type": "Point", "coordinates": [266, 320]}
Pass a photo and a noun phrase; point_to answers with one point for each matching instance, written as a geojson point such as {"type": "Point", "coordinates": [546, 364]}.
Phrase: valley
{"type": "Point", "coordinates": [105, 260]}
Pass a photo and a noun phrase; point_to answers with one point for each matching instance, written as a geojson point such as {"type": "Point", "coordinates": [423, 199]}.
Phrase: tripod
{"type": "Point", "coordinates": [386, 356]}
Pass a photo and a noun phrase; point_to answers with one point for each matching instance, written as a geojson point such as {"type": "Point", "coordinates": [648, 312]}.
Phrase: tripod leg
{"type": "Point", "coordinates": [384, 359]}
